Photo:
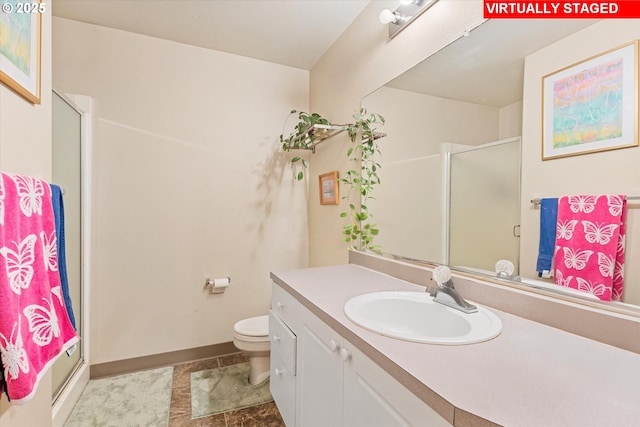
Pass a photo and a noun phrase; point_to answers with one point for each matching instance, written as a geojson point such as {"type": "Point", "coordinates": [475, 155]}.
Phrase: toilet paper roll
{"type": "Point", "coordinates": [221, 282]}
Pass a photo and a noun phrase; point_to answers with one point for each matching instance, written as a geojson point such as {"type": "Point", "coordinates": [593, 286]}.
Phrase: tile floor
{"type": "Point", "coordinates": [119, 402]}
{"type": "Point", "coordinates": [266, 415]}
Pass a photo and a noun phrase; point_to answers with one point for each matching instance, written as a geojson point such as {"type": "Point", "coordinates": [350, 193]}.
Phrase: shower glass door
{"type": "Point", "coordinates": [67, 173]}
{"type": "Point", "coordinates": [484, 205]}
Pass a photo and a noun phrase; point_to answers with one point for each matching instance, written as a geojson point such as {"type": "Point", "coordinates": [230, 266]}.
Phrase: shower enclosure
{"type": "Point", "coordinates": [70, 154]}
{"type": "Point", "coordinates": [484, 205]}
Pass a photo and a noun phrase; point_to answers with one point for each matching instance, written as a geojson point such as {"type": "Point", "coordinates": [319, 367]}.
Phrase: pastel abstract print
{"type": "Point", "coordinates": [34, 325]}
{"type": "Point", "coordinates": [590, 240]}
{"type": "Point", "coordinates": [588, 105]}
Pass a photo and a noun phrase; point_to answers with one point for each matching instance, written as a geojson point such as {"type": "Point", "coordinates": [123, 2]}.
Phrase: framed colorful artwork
{"type": "Point", "coordinates": [592, 105]}
{"type": "Point", "coordinates": [329, 188]}
{"type": "Point", "coordinates": [20, 47]}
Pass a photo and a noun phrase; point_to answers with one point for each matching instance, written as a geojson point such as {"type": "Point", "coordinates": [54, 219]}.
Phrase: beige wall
{"type": "Point", "coordinates": [360, 61]}
{"type": "Point", "coordinates": [25, 148]}
{"type": "Point", "coordinates": [614, 171]}
{"type": "Point", "coordinates": [189, 183]}
{"type": "Point", "coordinates": [510, 120]}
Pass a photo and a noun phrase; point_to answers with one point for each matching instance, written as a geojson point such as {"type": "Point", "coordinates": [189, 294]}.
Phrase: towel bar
{"type": "Point", "coordinates": [536, 201]}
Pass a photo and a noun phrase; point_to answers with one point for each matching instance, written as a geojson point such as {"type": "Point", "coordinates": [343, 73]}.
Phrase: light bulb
{"type": "Point", "coordinates": [387, 16]}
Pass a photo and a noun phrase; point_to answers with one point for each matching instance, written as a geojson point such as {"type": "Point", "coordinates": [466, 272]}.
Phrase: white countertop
{"type": "Point", "coordinates": [530, 375]}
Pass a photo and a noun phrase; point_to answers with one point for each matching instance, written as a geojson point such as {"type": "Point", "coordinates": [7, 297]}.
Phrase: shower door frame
{"type": "Point", "coordinates": [447, 159]}
{"type": "Point", "coordinates": [66, 398]}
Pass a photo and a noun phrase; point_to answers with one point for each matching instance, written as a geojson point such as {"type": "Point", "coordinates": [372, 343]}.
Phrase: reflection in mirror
{"type": "Point", "coordinates": [464, 99]}
{"type": "Point", "coordinates": [484, 206]}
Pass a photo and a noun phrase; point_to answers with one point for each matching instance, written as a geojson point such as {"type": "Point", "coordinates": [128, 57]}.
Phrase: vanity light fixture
{"type": "Point", "coordinates": [404, 14]}
{"type": "Point", "coordinates": [389, 17]}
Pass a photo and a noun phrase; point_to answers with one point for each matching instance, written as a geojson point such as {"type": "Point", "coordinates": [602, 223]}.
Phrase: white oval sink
{"type": "Point", "coordinates": [414, 316]}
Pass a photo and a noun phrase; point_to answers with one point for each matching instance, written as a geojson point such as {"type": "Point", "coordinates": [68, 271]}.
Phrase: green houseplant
{"type": "Point", "coordinates": [304, 137]}
{"type": "Point", "coordinates": [360, 232]}
{"type": "Point", "coordinates": [360, 179]}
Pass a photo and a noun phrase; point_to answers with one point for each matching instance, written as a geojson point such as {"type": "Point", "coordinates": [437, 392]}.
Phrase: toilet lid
{"type": "Point", "coordinates": [253, 327]}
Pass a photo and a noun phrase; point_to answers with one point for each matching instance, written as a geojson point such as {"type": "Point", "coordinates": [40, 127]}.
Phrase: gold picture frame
{"type": "Point", "coordinates": [592, 105]}
{"type": "Point", "coordinates": [21, 47]}
{"type": "Point", "coordinates": [329, 191]}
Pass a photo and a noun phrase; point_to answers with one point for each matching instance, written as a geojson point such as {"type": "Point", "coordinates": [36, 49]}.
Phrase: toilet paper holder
{"type": "Point", "coordinates": [217, 285]}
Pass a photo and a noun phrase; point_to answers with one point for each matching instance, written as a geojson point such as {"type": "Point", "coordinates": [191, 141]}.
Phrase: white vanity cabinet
{"type": "Point", "coordinates": [335, 383]}
{"type": "Point", "coordinates": [320, 374]}
{"type": "Point", "coordinates": [374, 398]}
{"type": "Point", "coordinates": [283, 367]}
{"type": "Point", "coordinates": [283, 318]}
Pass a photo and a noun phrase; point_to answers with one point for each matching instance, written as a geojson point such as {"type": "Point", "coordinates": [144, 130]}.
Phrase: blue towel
{"type": "Point", "coordinates": [548, 219]}
{"type": "Point", "coordinates": [58, 213]}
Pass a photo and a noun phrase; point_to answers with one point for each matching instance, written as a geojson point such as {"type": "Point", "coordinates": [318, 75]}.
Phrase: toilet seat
{"type": "Point", "coordinates": [251, 336]}
{"type": "Point", "coordinates": [253, 329]}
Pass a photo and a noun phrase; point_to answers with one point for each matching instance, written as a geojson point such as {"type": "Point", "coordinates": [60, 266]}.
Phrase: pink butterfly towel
{"type": "Point", "coordinates": [589, 251]}
{"type": "Point", "coordinates": [34, 325]}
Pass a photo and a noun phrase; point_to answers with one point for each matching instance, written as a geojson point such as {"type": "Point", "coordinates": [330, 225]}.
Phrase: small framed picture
{"type": "Point", "coordinates": [329, 188]}
{"type": "Point", "coordinates": [592, 106]}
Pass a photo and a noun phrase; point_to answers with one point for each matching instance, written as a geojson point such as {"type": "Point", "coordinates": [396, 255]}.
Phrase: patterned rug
{"type": "Point", "coordinates": [214, 391]}
{"type": "Point", "coordinates": [137, 399]}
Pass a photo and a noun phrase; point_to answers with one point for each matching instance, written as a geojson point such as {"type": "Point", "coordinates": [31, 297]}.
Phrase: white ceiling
{"type": "Point", "coordinates": [287, 32]}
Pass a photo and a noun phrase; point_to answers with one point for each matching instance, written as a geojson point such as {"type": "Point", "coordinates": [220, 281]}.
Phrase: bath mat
{"type": "Point", "coordinates": [214, 391]}
{"type": "Point", "coordinates": [137, 399]}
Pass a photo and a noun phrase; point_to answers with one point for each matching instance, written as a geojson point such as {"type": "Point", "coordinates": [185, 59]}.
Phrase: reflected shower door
{"type": "Point", "coordinates": [485, 205]}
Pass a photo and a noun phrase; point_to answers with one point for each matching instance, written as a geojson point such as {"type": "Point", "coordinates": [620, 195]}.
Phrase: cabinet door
{"type": "Point", "coordinates": [372, 398]}
{"type": "Point", "coordinates": [319, 386]}
{"type": "Point", "coordinates": [283, 368]}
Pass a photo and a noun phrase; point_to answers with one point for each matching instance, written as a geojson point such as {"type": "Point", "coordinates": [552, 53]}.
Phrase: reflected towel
{"type": "Point", "coordinates": [34, 325]}
{"type": "Point", "coordinates": [548, 219]}
{"type": "Point", "coordinates": [589, 251]}
{"type": "Point", "coordinates": [58, 214]}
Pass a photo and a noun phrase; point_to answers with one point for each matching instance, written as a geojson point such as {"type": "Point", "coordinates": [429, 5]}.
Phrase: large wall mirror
{"type": "Point", "coordinates": [456, 168]}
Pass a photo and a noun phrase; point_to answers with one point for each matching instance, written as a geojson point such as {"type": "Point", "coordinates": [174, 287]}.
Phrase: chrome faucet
{"type": "Point", "coordinates": [446, 293]}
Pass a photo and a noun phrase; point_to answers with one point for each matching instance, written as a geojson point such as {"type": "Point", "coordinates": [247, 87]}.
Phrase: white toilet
{"type": "Point", "coordinates": [251, 336]}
